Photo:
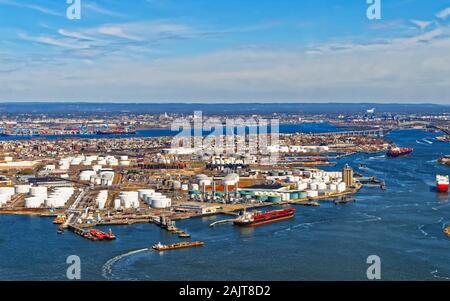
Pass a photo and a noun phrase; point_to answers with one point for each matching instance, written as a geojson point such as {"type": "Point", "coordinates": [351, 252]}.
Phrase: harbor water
{"type": "Point", "coordinates": [402, 225]}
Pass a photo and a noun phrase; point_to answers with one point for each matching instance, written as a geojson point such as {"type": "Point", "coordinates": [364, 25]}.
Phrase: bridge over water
{"type": "Point", "coordinates": [371, 132]}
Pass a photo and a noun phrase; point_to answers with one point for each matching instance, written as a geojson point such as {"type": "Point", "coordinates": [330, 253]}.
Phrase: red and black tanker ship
{"type": "Point", "coordinates": [256, 218]}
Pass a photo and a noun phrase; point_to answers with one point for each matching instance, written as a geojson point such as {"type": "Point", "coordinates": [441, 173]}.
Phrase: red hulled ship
{"type": "Point", "coordinates": [256, 218]}
{"type": "Point", "coordinates": [399, 151]}
{"type": "Point", "coordinates": [442, 183]}
{"type": "Point", "coordinates": [102, 235]}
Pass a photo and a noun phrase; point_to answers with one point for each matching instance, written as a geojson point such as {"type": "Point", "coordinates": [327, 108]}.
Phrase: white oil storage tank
{"type": "Point", "coordinates": [22, 188]}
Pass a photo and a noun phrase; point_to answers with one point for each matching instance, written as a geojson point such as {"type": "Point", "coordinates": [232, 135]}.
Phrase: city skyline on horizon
{"type": "Point", "coordinates": [159, 51]}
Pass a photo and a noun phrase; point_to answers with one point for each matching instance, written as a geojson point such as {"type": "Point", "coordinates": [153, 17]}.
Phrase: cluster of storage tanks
{"type": "Point", "coordinates": [97, 176]}
{"type": "Point", "coordinates": [65, 163]}
{"type": "Point", "coordinates": [39, 196]}
{"type": "Point", "coordinates": [154, 199]}
{"type": "Point", "coordinates": [318, 181]}
{"type": "Point", "coordinates": [130, 199]}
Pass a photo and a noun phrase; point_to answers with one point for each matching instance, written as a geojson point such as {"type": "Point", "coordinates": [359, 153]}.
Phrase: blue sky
{"type": "Point", "coordinates": [225, 51]}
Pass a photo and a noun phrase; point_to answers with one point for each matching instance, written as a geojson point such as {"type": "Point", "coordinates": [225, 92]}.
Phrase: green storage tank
{"type": "Point", "coordinates": [293, 195]}
{"type": "Point", "coordinates": [302, 194]}
{"type": "Point", "coordinates": [274, 199]}
{"type": "Point", "coordinates": [262, 198]}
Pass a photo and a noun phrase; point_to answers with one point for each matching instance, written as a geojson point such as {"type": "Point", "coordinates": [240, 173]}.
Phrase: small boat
{"type": "Point", "coordinates": [447, 231]}
{"type": "Point", "coordinates": [184, 235]}
{"type": "Point", "coordinates": [60, 219]}
{"type": "Point", "coordinates": [160, 247]}
{"type": "Point", "coordinates": [442, 183]}
{"type": "Point", "coordinates": [171, 228]}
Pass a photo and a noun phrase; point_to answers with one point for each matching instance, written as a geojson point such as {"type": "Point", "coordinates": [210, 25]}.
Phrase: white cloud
{"type": "Point", "coordinates": [395, 71]}
{"type": "Point", "coordinates": [443, 14]}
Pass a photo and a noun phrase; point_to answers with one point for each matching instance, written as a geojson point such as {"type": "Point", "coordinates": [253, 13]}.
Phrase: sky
{"type": "Point", "coordinates": [225, 51]}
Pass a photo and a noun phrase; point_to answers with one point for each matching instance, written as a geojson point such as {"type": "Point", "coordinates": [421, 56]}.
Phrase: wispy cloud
{"type": "Point", "coordinates": [421, 24]}
{"type": "Point", "coordinates": [54, 42]}
{"type": "Point", "coordinates": [94, 7]}
{"type": "Point", "coordinates": [31, 6]}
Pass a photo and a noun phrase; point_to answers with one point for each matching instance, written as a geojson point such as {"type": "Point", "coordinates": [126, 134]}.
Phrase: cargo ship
{"type": "Point", "coordinates": [256, 218]}
{"type": "Point", "coordinates": [181, 245]}
{"type": "Point", "coordinates": [442, 183]}
{"type": "Point", "coordinates": [399, 151]}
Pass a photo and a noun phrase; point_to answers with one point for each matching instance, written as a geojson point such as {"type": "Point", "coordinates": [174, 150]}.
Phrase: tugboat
{"type": "Point", "coordinates": [60, 219]}
{"type": "Point", "coordinates": [396, 151]}
{"type": "Point", "coordinates": [442, 183]}
{"type": "Point", "coordinates": [256, 218]}
{"type": "Point", "coordinates": [160, 247]}
{"type": "Point", "coordinates": [184, 235]}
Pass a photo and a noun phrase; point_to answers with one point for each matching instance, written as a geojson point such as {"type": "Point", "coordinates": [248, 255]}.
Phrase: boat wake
{"type": "Point", "coordinates": [369, 218]}
{"type": "Point", "coordinates": [420, 142]}
{"type": "Point", "coordinates": [435, 275]}
{"type": "Point", "coordinates": [421, 230]}
{"type": "Point", "coordinates": [107, 267]}
{"type": "Point", "coordinates": [377, 157]}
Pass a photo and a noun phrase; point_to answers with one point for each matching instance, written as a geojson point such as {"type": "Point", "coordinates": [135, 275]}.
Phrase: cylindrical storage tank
{"type": "Point", "coordinates": [321, 186]}
{"type": "Point", "coordinates": [123, 158]}
{"type": "Point", "coordinates": [4, 198]}
{"type": "Point", "coordinates": [341, 187]}
{"type": "Point", "coordinates": [7, 190]}
{"type": "Point", "coordinates": [195, 187]}
{"type": "Point", "coordinates": [34, 202]}
{"type": "Point", "coordinates": [101, 204]}
{"type": "Point", "coordinates": [333, 187]}
{"type": "Point", "coordinates": [184, 187]}
{"type": "Point", "coordinates": [22, 188]}
{"type": "Point", "coordinates": [38, 190]}
{"type": "Point", "coordinates": [262, 198]}
{"type": "Point", "coordinates": [312, 193]}
{"type": "Point", "coordinates": [302, 195]}
{"type": "Point", "coordinates": [142, 193]}
{"type": "Point", "coordinates": [161, 203]}
{"type": "Point", "coordinates": [274, 198]}
{"type": "Point", "coordinates": [313, 186]}
{"type": "Point", "coordinates": [294, 195]}
{"type": "Point", "coordinates": [117, 204]}
{"type": "Point", "coordinates": [204, 182]}
{"type": "Point", "coordinates": [125, 163]}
